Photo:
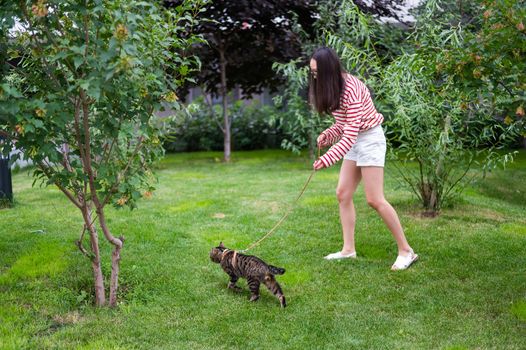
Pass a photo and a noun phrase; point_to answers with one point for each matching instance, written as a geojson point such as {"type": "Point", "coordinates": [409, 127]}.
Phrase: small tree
{"type": "Point", "coordinates": [447, 98]}
{"type": "Point", "coordinates": [78, 95]}
{"type": "Point", "coordinates": [244, 38]}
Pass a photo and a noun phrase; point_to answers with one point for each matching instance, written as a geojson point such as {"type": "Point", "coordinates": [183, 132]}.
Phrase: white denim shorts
{"type": "Point", "coordinates": [369, 149]}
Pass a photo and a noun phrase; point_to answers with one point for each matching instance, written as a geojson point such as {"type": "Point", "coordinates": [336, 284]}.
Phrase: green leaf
{"type": "Point", "coordinates": [10, 91]}
{"type": "Point", "coordinates": [37, 123]}
{"type": "Point", "coordinates": [78, 49]}
{"type": "Point", "coordinates": [77, 61]}
{"type": "Point", "coordinates": [94, 90]}
{"type": "Point", "coordinates": [84, 84]}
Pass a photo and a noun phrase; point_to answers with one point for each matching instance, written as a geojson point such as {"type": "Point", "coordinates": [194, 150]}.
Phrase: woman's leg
{"type": "Point", "coordinates": [373, 180]}
{"type": "Point", "coordinates": [349, 179]}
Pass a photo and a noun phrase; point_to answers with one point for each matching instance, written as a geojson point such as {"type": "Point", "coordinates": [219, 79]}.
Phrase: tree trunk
{"type": "Point", "coordinates": [432, 188]}
{"type": "Point", "coordinates": [226, 119]}
{"type": "Point", "coordinates": [115, 256]}
{"type": "Point", "coordinates": [115, 268]}
{"type": "Point", "coordinates": [429, 199]}
{"type": "Point", "coordinates": [100, 295]}
{"type": "Point", "coordinates": [434, 201]}
{"type": "Point", "coordinates": [85, 153]}
{"type": "Point", "coordinates": [425, 190]}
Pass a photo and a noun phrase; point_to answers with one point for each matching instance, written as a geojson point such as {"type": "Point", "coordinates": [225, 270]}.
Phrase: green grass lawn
{"type": "Point", "coordinates": [468, 291]}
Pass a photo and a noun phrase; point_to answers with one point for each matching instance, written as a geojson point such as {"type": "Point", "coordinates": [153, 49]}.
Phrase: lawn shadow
{"type": "Point", "coordinates": [501, 186]}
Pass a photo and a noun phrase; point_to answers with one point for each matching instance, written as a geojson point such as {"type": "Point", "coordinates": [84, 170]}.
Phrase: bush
{"type": "Point", "coordinates": [198, 128]}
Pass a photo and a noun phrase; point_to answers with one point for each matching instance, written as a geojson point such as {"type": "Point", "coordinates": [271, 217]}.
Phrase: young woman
{"type": "Point", "coordinates": [358, 138]}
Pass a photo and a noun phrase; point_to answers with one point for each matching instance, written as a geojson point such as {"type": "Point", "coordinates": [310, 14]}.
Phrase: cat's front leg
{"type": "Point", "coordinates": [232, 283]}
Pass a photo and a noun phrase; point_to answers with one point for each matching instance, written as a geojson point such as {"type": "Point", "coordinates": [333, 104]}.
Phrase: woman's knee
{"type": "Point", "coordinates": [376, 202]}
{"type": "Point", "coordinates": [344, 195]}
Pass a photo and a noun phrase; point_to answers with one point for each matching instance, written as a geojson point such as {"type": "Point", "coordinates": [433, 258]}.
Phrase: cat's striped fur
{"type": "Point", "coordinates": [255, 270]}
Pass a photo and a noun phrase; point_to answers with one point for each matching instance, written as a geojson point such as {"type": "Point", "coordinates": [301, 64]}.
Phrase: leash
{"type": "Point", "coordinates": [286, 214]}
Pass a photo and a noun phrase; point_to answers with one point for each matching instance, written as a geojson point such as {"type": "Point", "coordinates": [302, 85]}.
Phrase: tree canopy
{"type": "Point", "coordinates": [253, 35]}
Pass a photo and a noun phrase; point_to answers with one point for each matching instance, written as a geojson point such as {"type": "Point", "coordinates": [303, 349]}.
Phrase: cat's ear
{"type": "Point", "coordinates": [221, 245]}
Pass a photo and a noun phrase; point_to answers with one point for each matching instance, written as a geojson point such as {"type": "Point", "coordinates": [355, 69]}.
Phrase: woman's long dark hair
{"type": "Point", "coordinates": [326, 88]}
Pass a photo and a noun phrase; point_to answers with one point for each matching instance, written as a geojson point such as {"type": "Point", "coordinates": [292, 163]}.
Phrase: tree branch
{"type": "Point", "coordinates": [123, 173]}
{"type": "Point", "coordinates": [407, 179]}
{"type": "Point", "coordinates": [65, 158]}
{"type": "Point", "coordinates": [37, 45]}
{"type": "Point", "coordinates": [89, 171]}
{"type": "Point", "coordinates": [460, 177]}
{"type": "Point", "coordinates": [208, 100]}
{"type": "Point", "coordinates": [506, 88]}
{"type": "Point", "coordinates": [7, 135]}
{"type": "Point", "coordinates": [68, 194]}
{"type": "Point", "coordinates": [78, 135]}
{"type": "Point", "coordinates": [79, 244]}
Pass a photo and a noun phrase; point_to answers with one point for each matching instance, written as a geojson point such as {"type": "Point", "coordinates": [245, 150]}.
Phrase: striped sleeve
{"type": "Point", "coordinates": [349, 135]}
{"type": "Point", "coordinates": [334, 133]}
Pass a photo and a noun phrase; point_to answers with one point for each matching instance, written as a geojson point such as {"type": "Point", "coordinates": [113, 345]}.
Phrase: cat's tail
{"type": "Point", "coordinates": [276, 270]}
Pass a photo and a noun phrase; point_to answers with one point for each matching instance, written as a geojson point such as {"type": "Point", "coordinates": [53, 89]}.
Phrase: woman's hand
{"type": "Point", "coordinates": [318, 164]}
{"type": "Point", "coordinates": [322, 140]}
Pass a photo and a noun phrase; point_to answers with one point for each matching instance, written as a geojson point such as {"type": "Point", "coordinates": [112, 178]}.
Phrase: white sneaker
{"type": "Point", "coordinates": [403, 262]}
{"type": "Point", "coordinates": [339, 255]}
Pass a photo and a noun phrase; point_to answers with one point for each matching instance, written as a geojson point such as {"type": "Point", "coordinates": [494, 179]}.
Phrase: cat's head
{"type": "Point", "coordinates": [217, 253]}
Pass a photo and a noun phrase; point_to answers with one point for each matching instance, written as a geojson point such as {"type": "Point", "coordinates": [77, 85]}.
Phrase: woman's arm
{"type": "Point", "coordinates": [332, 134]}
{"type": "Point", "coordinates": [348, 136]}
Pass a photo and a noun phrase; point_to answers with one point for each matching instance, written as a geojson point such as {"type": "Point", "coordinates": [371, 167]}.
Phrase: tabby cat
{"type": "Point", "coordinates": [255, 270]}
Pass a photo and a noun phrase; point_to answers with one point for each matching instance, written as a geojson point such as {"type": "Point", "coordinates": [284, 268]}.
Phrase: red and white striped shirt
{"type": "Point", "coordinates": [355, 114]}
